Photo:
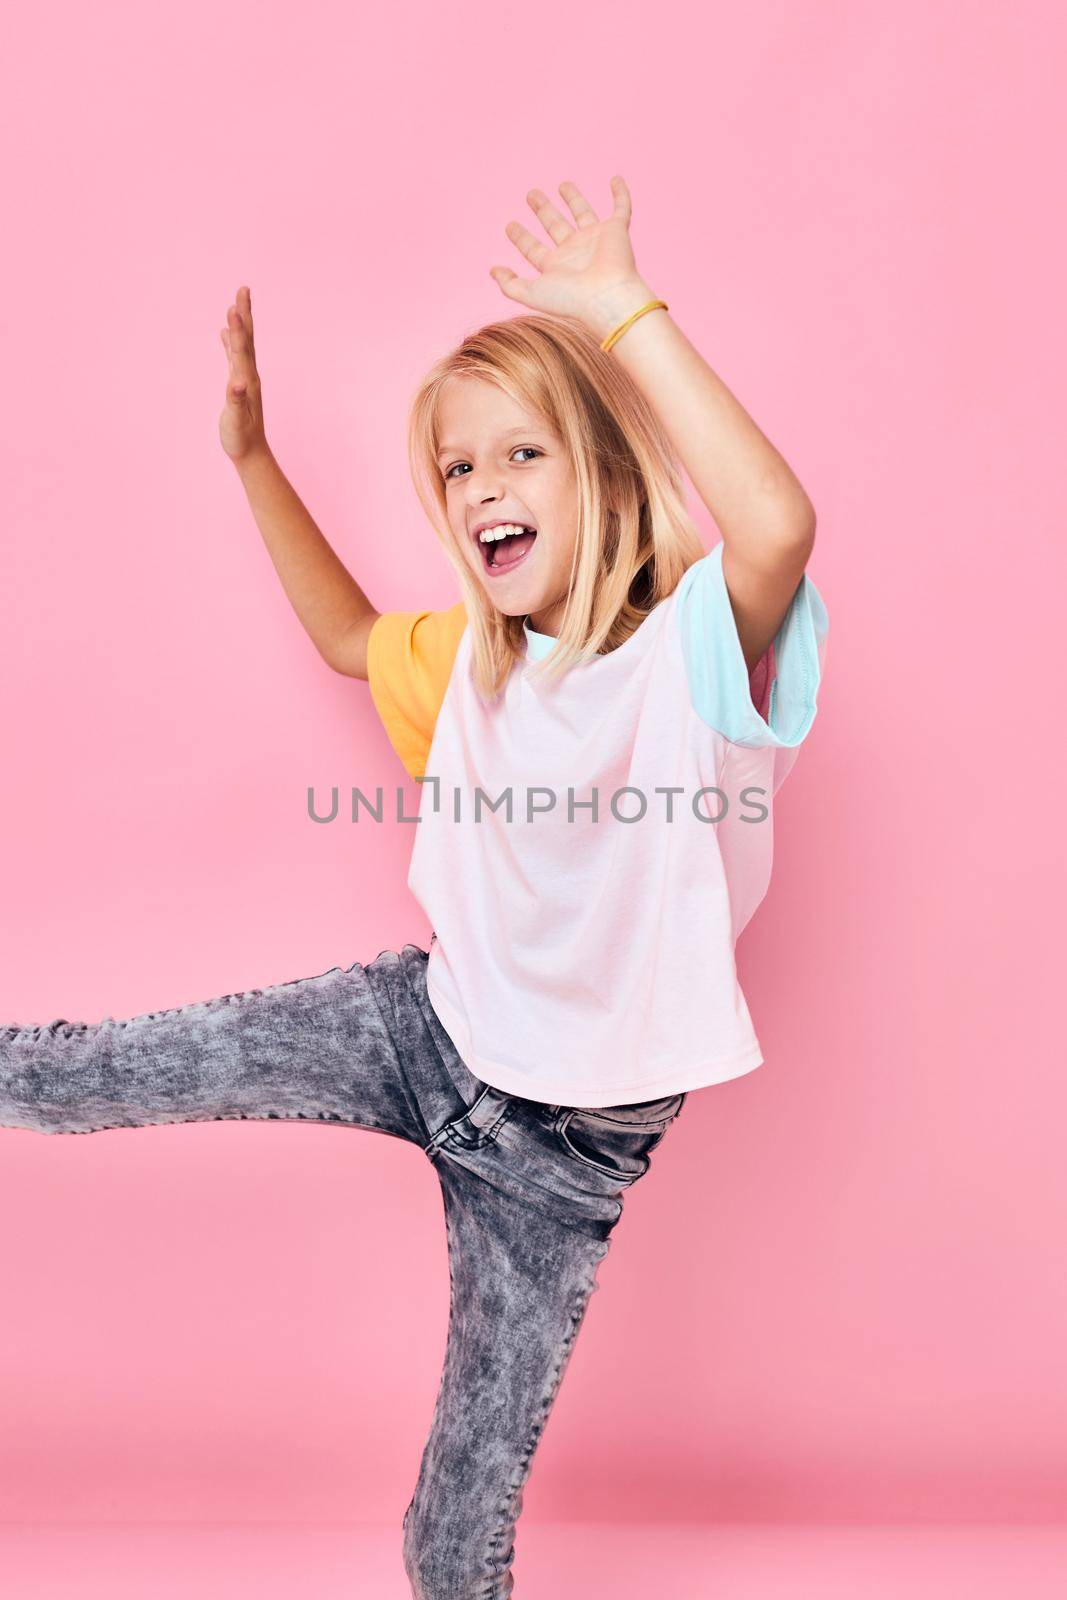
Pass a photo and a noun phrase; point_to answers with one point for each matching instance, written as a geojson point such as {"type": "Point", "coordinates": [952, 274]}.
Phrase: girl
{"type": "Point", "coordinates": [600, 725]}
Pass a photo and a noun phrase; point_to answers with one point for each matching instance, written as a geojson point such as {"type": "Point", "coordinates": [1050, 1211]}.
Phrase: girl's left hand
{"type": "Point", "coordinates": [591, 272]}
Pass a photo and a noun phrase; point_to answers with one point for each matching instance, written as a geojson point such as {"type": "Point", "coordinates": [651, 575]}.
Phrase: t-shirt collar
{"type": "Point", "coordinates": [537, 644]}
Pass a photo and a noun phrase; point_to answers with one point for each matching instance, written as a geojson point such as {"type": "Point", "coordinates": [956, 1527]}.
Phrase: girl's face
{"type": "Point", "coordinates": [503, 464]}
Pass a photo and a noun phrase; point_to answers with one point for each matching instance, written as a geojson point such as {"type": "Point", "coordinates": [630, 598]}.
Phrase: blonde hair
{"type": "Point", "coordinates": [635, 536]}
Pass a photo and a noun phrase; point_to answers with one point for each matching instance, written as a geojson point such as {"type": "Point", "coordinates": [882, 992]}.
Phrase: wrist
{"type": "Point", "coordinates": [255, 463]}
{"type": "Point", "coordinates": [614, 305]}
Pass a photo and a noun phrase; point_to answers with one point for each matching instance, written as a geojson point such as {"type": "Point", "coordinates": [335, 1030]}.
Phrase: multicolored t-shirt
{"type": "Point", "coordinates": [588, 852]}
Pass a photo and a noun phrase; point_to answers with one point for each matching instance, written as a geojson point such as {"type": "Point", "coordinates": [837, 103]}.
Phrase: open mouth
{"type": "Point", "coordinates": [503, 555]}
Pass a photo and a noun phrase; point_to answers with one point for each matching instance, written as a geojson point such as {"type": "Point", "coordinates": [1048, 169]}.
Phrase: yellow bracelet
{"type": "Point", "coordinates": [617, 333]}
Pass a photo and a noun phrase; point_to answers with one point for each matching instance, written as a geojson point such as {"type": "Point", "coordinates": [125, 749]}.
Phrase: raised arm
{"type": "Point", "coordinates": [765, 517]}
{"type": "Point", "coordinates": [334, 610]}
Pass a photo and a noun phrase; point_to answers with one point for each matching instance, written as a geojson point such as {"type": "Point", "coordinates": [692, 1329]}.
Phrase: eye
{"type": "Point", "coordinates": [530, 448]}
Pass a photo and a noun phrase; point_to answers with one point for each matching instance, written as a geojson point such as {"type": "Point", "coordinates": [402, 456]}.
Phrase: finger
{"type": "Point", "coordinates": [239, 379]}
{"type": "Point", "coordinates": [244, 365]}
{"type": "Point", "coordinates": [244, 306]}
{"type": "Point", "coordinates": [531, 248]}
{"type": "Point", "coordinates": [514, 287]}
{"type": "Point", "coordinates": [584, 214]}
{"type": "Point", "coordinates": [236, 386]}
{"type": "Point", "coordinates": [623, 209]}
{"type": "Point", "coordinates": [557, 227]}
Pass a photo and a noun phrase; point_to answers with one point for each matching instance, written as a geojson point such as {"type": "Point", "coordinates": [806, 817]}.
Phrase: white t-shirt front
{"type": "Point", "coordinates": [587, 958]}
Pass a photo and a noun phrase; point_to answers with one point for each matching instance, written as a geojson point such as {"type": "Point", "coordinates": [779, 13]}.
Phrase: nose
{"type": "Point", "coordinates": [483, 484]}
{"type": "Point", "coordinates": [483, 499]}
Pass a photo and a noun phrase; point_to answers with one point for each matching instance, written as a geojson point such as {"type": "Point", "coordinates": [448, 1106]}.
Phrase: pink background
{"type": "Point", "coordinates": [840, 1294]}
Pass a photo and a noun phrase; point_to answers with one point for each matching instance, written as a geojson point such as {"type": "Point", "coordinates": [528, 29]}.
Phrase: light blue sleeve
{"type": "Point", "coordinates": [719, 683]}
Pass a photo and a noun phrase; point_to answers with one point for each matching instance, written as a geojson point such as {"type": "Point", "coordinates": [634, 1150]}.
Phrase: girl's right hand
{"type": "Point", "coordinates": [241, 422]}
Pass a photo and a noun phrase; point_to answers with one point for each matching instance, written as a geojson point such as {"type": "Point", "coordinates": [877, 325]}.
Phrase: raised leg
{"type": "Point", "coordinates": [337, 1047]}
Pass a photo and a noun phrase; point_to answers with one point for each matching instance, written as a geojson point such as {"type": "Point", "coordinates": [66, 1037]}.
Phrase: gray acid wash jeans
{"type": "Point", "coordinates": [531, 1194]}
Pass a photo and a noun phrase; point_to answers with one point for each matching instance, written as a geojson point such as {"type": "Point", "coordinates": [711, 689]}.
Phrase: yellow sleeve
{"type": "Point", "coordinates": [409, 662]}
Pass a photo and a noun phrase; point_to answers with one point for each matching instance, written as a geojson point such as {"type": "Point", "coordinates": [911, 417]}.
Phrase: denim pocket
{"type": "Point", "coordinates": [617, 1140]}
{"type": "Point", "coordinates": [479, 1123]}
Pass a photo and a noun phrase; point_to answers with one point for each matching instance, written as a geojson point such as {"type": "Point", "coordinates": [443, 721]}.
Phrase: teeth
{"type": "Point", "coordinates": [501, 531]}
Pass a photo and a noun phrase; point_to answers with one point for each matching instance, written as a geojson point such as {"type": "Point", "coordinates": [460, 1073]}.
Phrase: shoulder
{"type": "Point", "coordinates": [774, 704]}
{"type": "Point", "coordinates": [410, 656]}
{"type": "Point", "coordinates": [425, 637]}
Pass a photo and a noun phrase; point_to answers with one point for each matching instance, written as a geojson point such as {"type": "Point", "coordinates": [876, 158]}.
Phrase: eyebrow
{"type": "Point", "coordinates": [449, 449]}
